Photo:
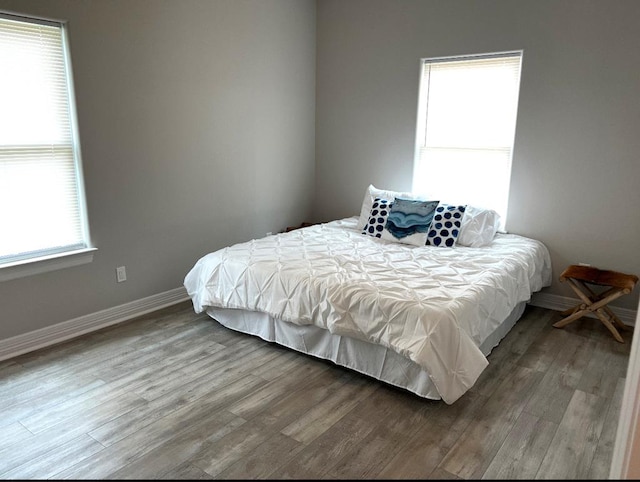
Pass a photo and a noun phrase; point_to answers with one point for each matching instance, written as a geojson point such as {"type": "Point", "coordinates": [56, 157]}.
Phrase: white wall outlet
{"type": "Point", "coordinates": [584, 264]}
{"type": "Point", "coordinates": [121, 274]}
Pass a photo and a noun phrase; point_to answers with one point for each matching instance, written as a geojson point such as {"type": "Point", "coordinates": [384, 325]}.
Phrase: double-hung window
{"type": "Point", "coordinates": [466, 127]}
{"type": "Point", "coordinates": [43, 220]}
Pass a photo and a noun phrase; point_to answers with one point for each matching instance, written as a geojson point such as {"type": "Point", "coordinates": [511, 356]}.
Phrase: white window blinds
{"type": "Point", "coordinates": [41, 195]}
{"type": "Point", "coordinates": [466, 126]}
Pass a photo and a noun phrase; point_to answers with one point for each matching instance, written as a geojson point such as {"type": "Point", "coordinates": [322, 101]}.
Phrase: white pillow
{"type": "Point", "coordinates": [370, 194]}
{"type": "Point", "coordinates": [479, 227]}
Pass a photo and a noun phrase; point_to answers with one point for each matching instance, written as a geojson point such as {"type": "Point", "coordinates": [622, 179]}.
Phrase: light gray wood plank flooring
{"type": "Point", "coordinates": [174, 395]}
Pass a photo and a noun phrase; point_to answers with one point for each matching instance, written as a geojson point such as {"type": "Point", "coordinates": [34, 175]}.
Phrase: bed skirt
{"type": "Point", "coordinates": [373, 360]}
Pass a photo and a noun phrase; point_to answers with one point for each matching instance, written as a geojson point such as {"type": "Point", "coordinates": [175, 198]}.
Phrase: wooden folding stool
{"type": "Point", "coordinates": [616, 285]}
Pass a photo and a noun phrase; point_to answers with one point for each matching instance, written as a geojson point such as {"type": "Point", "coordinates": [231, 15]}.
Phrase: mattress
{"type": "Point", "coordinates": [433, 306]}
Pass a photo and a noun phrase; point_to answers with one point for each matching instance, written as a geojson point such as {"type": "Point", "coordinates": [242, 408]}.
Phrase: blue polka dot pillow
{"type": "Point", "coordinates": [377, 217]}
{"type": "Point", "coordinates": [445, 227]}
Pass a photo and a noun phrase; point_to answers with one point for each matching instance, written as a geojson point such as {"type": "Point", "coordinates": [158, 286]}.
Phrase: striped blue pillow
{"type": "Point", "coordinates": [409, 221]}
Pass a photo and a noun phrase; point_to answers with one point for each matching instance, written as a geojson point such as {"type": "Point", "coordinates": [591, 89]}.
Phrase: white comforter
{"type": "Point", "coordinates": [432, 305]}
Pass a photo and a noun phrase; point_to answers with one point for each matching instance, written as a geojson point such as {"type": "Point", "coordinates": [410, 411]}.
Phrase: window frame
{"type": "Point", "coordinates": [422, 114]}
{"type": "Point", "coordinates": [27, 264]}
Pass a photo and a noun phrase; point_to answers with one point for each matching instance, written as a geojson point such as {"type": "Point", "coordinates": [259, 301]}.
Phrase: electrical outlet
{"type": "Point", "coordinates": [121, 274]}
{"type": "Point", "coordinates": [584, 264]}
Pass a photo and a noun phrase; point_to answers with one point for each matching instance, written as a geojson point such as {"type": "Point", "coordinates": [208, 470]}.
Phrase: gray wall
{"type": "Point", "coordinates": [196, 123]}
{"type": "Point", "coordinates": [576, 163]}
{"type": "Point", "coordinates": [197, 127]}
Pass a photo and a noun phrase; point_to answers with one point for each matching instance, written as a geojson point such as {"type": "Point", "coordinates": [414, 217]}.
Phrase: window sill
{"type": "Point", "coordinates": [28, 267]}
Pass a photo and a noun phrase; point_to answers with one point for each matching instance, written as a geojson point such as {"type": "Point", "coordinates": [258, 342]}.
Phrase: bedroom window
{"type": "Point", "coordinates": [465, 130]}
{"type": "Point", "coordinates": [43, 221]}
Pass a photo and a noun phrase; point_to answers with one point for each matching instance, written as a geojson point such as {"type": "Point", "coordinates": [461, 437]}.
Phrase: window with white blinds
{"type": "Point", "coordinates": [42, 208]}
{"type": "Point", "coordinates": [466, 126]}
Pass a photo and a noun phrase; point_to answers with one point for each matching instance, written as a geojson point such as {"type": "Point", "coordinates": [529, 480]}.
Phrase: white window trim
{"type": "Point", "coordinates": [28, 267]}
{"type": "Point", "coordinates": [42, 264]}
{"type": "Point", "coordinates": [421, 108]}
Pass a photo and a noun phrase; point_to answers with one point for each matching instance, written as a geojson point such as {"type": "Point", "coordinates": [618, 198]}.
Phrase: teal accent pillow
{"type": "Point", "coordinates": [409, 221]}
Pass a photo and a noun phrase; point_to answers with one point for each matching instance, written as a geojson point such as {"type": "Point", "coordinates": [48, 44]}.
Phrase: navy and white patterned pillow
{"type": "Point", "coordinates": [409, 221]}
{"type": "Point", "coordinates": [445, 226]}
{"type": "Point", "coordinates": [377, 217]}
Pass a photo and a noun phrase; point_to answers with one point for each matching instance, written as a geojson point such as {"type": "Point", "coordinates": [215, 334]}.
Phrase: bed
{"type": "Point", "coordinates": [422, 318]}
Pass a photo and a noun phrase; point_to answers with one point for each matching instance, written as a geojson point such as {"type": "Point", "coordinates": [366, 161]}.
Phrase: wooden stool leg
{"type": "Point", "coordinates": [612, 315]}
{"type": "Point", "coordinates": [616, 320]}
{"type": "Point", "coordinates": [583, 291]}
{"type": "Point", "coordinates": [578, 312]}
{"type": "Point", "coordinates": [594, 303]}
{"type": "Point", "coordinates": [617, 284]}
{"type": "Point", "coordinates": [603, 318]}
{"type": "Point", "coordinates": [608, 297]}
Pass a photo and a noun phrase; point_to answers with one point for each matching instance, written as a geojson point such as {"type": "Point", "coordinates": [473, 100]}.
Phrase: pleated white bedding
{"type": "Point", "coordinates": [433, 306]}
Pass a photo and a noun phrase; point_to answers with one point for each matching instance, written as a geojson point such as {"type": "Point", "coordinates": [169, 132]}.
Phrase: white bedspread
{"type": "Point", "coordinates": [432, 305]}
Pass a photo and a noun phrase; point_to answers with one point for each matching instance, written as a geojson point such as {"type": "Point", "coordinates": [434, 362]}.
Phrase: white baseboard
{"type": "Point", "coordinates": [66, 330]}
{"type": "Point", "coordinates": [561, 303]}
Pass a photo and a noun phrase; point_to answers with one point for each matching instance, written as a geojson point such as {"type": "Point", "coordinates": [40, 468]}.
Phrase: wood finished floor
{"type": "Point", "coordinates": [174, 395]}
